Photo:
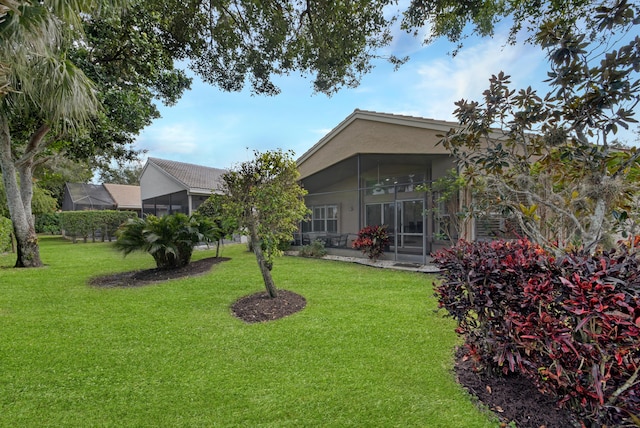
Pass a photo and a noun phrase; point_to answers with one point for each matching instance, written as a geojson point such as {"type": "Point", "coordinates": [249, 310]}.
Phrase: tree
{"type": "Point", "coordinates": [130, 55]}
{"type": "Point", "coordinates": [244, 42]}
{"type": "Point", "coordinates": [122, 174]}
{"type": "Point", "coordinates": [57, 107]}
{"type": "Point", "coordinates": [126, 55]}
{"type": "Point", "coordinates": [452, 216]}
{"type": "Point", "coordinates": [265, 197]}
{"type": "Point", "coordinates": [6, 6]}
{"type": "Point", "coordinates": [451, 19]}
{"type": "Point", "coordinates": [43, 201]}
{"type": "Point", "coordinates": [169, 239]}
{"type": "Point", "coordinates": [213, 209]}
{"type": "Point", "coordinates": [44, 87]}
{"type": "Point", "coordinates": [58, 170]}
{"type": "Point", "coordinates": [548, 159]}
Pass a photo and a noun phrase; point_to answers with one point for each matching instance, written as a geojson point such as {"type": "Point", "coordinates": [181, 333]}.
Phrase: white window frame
{"type": "Point", "coordinates": [321, 214]}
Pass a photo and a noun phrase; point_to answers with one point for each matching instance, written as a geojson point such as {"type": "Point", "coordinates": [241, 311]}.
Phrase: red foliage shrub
{"type": "Point", "coordinates": [372, 241]}
{"type": "Point", "coordinates": [572, 325]}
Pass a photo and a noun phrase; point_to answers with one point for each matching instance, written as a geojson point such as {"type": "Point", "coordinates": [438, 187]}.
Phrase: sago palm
{"type": "Point", "coordinates": [170, 239]}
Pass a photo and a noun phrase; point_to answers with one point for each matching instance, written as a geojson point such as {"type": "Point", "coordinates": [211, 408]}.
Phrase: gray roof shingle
{"type": "Point", "coordinates": [191, 175]}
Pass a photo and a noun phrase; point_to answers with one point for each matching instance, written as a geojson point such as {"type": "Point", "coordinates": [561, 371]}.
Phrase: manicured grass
{"type": "Point", "coordinates": [367, 351]}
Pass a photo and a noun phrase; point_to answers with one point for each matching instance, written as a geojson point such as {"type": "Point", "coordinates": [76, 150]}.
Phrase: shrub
{"type": "Point", "coordinates": [372, 241]}
{"type": "Point", "coordinates": [571, 324]}
{"type": "Point", "coordinates": [315, 249]}
{"type": "Point", "coordinates": [214, 210]}
{"type": "Point", "coordinates": [84, 224]}
{"type": "Point", "coordinates": [48, 223]}
{"type": "Point", "coordinates": [6, 230]}
{"type": "Point", "coordinates": [169, 239]}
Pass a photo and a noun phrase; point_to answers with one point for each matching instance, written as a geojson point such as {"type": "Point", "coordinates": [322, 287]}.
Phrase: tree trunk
{"type": "Point", "coordinates": [594, 233]}
{"type": "Point", "coordinates": [27, 248]}
{"type": "Point", "coordinates": [262, 263]}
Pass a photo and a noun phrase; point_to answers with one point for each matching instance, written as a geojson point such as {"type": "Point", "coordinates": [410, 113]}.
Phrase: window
{"type": "Point", "coordinates": [495, 226]}
{"type": "Point", "coordinates": [167, 204]}
{"type": "Point", "coordinates": [381, 214]}
{"type": "Point", "coordinates": [324, 218]}
{"type": "Point", "coordinates": [391, 184]}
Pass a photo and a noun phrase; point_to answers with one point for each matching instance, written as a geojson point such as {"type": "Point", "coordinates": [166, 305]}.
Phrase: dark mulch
{"type": "Point", "coordinates": [260, 307]}
{"type": "Point", "coordinates": [139, 278]}
{"type": "Point", "coordinates": [512, 398]}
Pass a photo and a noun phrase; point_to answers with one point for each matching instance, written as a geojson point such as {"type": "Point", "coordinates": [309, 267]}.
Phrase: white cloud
{"type": "Point", "coordinates": [443, 81]}
{"type": "Point", "coordinates": [321, 132]}
{"type": "Point", "coordinates": [174, 138]}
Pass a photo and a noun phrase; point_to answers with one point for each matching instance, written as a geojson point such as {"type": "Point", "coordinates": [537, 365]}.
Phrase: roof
{"type": "Point", "coordinates": [92, 195]}
{"type": "Point", "coordinates": [396, 119]}
{"type": "Point", "coordinates": [125, 196]}
{"type": "Point", "coordinates": [194, 177]}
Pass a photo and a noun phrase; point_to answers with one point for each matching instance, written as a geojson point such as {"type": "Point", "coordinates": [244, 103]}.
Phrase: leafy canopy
{"type": "Point", "coordinates": [264, 194]}
{"type": "Point", "coordinates": [265, 197]}
{"type": "Point", "coordinates": [550, 160]}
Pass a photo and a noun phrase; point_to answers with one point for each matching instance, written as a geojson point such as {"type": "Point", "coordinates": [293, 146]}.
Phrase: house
{"type": "Point", "coordinates": [366, 171]}
{"type": "Point", "coordinates": [126, 197]}
{"type": "Point", "coordinates": [169, 187]}
{"type": "Point", "coordinates": [83, 196]}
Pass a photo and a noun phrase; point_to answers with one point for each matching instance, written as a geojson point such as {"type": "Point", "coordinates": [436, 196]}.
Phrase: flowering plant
{"type": "Point", "coordinates": [372, 240]}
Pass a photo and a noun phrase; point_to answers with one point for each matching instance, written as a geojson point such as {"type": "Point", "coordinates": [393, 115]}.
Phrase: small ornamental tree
{"type": "Point", "coordinates": [372, 241]}
{"type": "Point", "coordinates": [213, 209]}
{"type": "Point", "coordinates": [550, 160]}
{"type": "Point", "coordinates": [452, 215]}
{"type": "Point", "coordinates": [169, 239]}
{"type": "Point", "coordinates": [265, 197]}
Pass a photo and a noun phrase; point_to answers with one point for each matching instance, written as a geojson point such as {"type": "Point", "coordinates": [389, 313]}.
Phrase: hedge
{"type": "Point", "coordinates": [95, 224]}
{"type": "Point", "coordinates": [48, 223]}
{"type": "Point", "coordinates": [571, 324]}
{"type": "Point", "coordinates": [6, 230]}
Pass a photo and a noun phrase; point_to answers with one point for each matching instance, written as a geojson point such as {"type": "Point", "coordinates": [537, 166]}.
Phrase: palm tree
{"type": "Point", "coordinates": [6, 6]}
{"type": "Point", "coordinates": [169, 239]}
{"type": "Point", "coordinates": [43, 89]}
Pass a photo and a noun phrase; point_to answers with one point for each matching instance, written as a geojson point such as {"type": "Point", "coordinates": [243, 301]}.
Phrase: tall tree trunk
{"type": "Point", "coordinates": [262, 263]}
{"type": "Point", "coordinates": [27, 248]}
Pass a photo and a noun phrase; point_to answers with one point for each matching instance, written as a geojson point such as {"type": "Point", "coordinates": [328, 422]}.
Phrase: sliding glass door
{"type": "Point", "coordinates": [411, 227]}
{"type": "Point", "coordinates": [405, 221]}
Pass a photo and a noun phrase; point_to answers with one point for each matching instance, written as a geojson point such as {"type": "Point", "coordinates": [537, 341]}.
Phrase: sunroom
{"type": "Point", "coordinates": [377, 169]}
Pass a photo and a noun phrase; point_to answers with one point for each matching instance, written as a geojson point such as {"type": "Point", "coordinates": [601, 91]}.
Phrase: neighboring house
{"type": "Point", "coordinates": [169, 187]}
{"type": "Point", "coordinates": [126, 197]}
{"type": "Point", "coordinates": [365, 172]}
{"type": "Point", "coordinates": [81, 197]}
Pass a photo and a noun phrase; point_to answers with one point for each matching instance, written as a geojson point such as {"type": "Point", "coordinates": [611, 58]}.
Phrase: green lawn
{"type": "Point", "coordinates": [367, 351]}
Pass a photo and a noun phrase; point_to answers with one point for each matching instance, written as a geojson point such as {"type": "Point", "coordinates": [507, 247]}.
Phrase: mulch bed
{"type": "Point", "coordinates": [513, 398]}
{"type": "Point", "coordinates": [139, 278]}
{"type": "Point", "coordinates": [260, 307]}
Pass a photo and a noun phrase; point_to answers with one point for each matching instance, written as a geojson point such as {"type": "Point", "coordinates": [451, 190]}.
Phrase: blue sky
{"type": "Point", "coordinates": [213, 128]}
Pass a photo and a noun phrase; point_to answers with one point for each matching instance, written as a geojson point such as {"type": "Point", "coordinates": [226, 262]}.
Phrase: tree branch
{"type": "Point", "coordinates": [34, 146]}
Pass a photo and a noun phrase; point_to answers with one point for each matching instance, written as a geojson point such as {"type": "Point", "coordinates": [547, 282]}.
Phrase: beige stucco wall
{"type": "Point", "coordinates": [369, 136]}
{"type": "Point", "coordinates": [345, 196]}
